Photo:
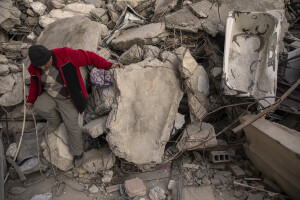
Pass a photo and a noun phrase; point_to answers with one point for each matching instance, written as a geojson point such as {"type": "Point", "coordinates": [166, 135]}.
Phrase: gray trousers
{"type": "Point", "coordinates": [56, 111]}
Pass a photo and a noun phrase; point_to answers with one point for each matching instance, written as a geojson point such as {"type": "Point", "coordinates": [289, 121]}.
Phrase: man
{"type": "Point", "coordinates": [57, 92]}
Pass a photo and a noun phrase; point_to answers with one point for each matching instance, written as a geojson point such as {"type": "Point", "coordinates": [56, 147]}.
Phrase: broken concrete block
{"type": "Point", "coordinates": [102, 99]}
{"type": "Point", "coordinates": [135, 134]}
{"type": "Point", "coordinates": [44, 21]}
{"type": "Point", "coordinates": [96, 127]}
{"type": "Point", "coordinates": [107, 176]}
{"type": "Point", "coordinates": [101, 14]}
{"type": "Point", "coordinates": [67, 35]}
{"type": "Point", "coordinates": [157, 194]}
{"type": "Point", "coordinates": [135, 187]}
{"type": "Point", "coordinates": [15, 96]}
{"type": "Point", "coordinates": [178, 123]}
{"type": "Point", "coordinates": [97, 160]}
{"type": "Point", "coordinates": [219, 156]}
{"type": "Point", "coordinates": [10, 15]}
{"type": "Point", "coordinates": [266, 141]}
{"type": "Point", "coordinates": [113, 13]}
{"type": "Point", "coordinates": [60, 155]}
{"type": "Point", "coordinates": [13, 68]}
{"type": "Point", "coordinates": [147, 34]}
{"type": "Point", "coordinates": [79, 8]}
{"type": "Point", "coordinates": [183, 20]}
{"type": "Point", "coordinates": [162, 7]}
{"type": "Point", "coordinates": [237, 171]}
{"type": "Point", "coordinates": [60, 14]}
{"type": "Point", "coordinates": [150, 51]}
{"type": "Point", "coordinates": [189, 64]}
{"type": "Point", "coordinates": [4, 70]}
{"type": "Point", "coordinates": [133, 55]}
{"type": "Point", "coordinates": [170, 60]}
{"type": "Point", "coordinates": [11, 150]}
{"type": "Point", "coordinates": [3, 59]}
{"type": "Point", "coordinates": [197, 136]}
{"type": "Point", "coordinates": [38, 7]}
{"type": "Point", "coordinates": [6, 83]}
{"type": "Point", "coordinates": [93, 189]}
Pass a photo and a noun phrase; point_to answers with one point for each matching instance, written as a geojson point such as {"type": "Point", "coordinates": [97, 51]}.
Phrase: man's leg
{"type": "Point", "coordinates": [46, 107]}
{"type": "Point", "coordinates": [69, 116]}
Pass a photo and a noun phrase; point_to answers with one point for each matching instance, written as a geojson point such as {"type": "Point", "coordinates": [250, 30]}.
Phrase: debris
{"type": "Point", "coordinates": [162, 7]}
{"type": "Point", "coordinates": [38, 7]}
{"type": "Point", "coordinates": [215, 181]}
{"type": "Point", "coordinates": [190, 166]}
{"type": "Point", "coordinates": [198, 193]}
{"type": "Point", "coordinates": [133, 55]}
{"type": "Point", "coordinates": [237, 171]}
{"type": "Point", "coordinates": [57, 144]}
{"type": "Point", "coordinates": [260, 41]}
{"type": "Point", "coordinates": [9, 15]}
{"type": "Point", "coordinates": [113, 188]}
{"type": "Point", "coordinates": [93, 189]}
{"type": "Point", "coordinates": [219, 156]}
{"type": "Point", "coordinates": [197, 136]}
{"type": "Point", "coordinates": [46, 196]}
{"type": "Point", "coordinates": [135, 187]}
{"type": "Point", "coordinates": [150, 51]}
{"type": "Point", "coordinates": [266, 140]}
{"type": "Point", "coordinates": [157, 194]}
{"type": "Point", "coordinates": [135, 134]}
{"type": "Point", "coordinates": [15, 96]}
{"type": "Point", "coordinates": [256, 188]}
{"type": "Point", "coordinates": [17, 190]}
{"type": "Point", "coordinates": [96, 127]}
{"type": "Point", "coordinates": [97, 160]}
{"type": "Point", "coordinates": [11, 150]}
{"type": "Point", "coordinates": [107, 176]}
{"type": "Point", "coordinates": [237, 194]}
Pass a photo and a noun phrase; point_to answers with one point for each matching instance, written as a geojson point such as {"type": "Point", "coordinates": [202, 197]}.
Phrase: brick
{"type": "Point", "coordinates": [135, 187]}
{"type": "Point", "coordinates": [237, 171]}
{"type": "Point", "coordinates": [220, 156]}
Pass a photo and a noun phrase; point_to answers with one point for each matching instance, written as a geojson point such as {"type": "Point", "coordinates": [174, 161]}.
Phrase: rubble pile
{"type": "Point", "coordinates": [192, 68]}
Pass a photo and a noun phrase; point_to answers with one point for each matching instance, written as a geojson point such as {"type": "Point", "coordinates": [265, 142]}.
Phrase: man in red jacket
{"type": "Point", "coordinates": [57, 92]}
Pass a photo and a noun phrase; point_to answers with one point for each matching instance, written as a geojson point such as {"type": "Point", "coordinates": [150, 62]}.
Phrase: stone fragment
{"type": "Point", "coordinates": [219, 156]}
{"type": "Point", "coordinates": [3, 59]}
{"type": "Point", "coordinates": [113, 13]}
{"type": "Point", "coordinates": [17, 190]}
{"type": "Point", "coordinates": [67, 34]}
{"type": "Point", "coordinates": [32, 35]}
{"type": "Point", "coordinates": [133, 55]}
{"type": "Point", "coordinates": [206, 181]}
{"type": "Point", "coordinates": [135, 134]}
{"type": "Point", "coordinates": [214, 18]}
{"type": "Point", "coordinates": [215, 181]}
{"type": "Point", "coordinates": [107, 176]}
{"type": "Point", "coordinates": [196, 136]}
{"type": "Point", "coordinates": [10, 15]}
{"type": "Point", "coordinates": [60, 14]}
{"type": "Point", "coordinates": [15, 96]}
{"type": "Point", "coordinates": [79, 8]}
{"type": "Point", "coordinates": [6, 83]}
{"type": "Point", "coordinates": [104, 53]}
{"type": "Point", "coordinates": [30, 12]}
{"type": "Point", "coordinates": [60, 155]}
{"type": "Point", "coordinates": [101, 14]}
{"type": "Point", "coordinates": [162, 7]}
{"type": "Point", "coordinates": [189, 64]}
{"type": "Point", "coordinates": [93, 189]}
{"type": "Point", "coordinates": [135, 187]}
{"type": "Point", "coordinates": [13, 68]}
{"type": "Point", "coordinates": [4, 70]}
{"type": "Point", "coordinates": [150, 51]}
{"type": "Point", "coordinates": [44, 21]}
{"type": "Point", "coordinates": [103, 99]}
{"type": "Point", "coordinates": [31, 21]}
{"type": "Point", "coordinates": [3, 37]}
{"type": "Point", "coordinates": [32, 165]}
{"type": "Point", "coordinates": [157, 194]}
{"type": "Point", "coordinates": [38, 7]}
{"type": "Point", "coordinates": [57, 4]}
{"type": "Point", "coordinates": [237, 194]}
{"type": "Point", "coordinates": [183, 20]}
{"type": "Point", "coordinates": [97, 160]}
{"type": "Point", "coordinates": [237, 171]}
{"type": "Point", "coordinates": [113, 188]}
{"type": "Point", "coordinates": [170, 60]}
{"type": "Point", "coordinates": [96, 127]}
{"type": "Point", "coordinates": [11, 150]}
{"type": "Point", "coordinates": [216, 71]}
{"type": "Point", "coordinates": [147, 34]}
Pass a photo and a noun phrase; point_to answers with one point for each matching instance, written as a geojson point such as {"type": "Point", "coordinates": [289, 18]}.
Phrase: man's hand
{"type": "Point", "coordinates": [117, 65]}
{"type": "Point", "coordinates": [29, 106]}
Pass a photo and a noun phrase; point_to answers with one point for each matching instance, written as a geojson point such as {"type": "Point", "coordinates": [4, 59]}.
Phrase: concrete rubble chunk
{"type": "Point", "coordinates": [9, 15]}
{"type": "Point", "coordinates": [67, 34]}
{"type": "Point", "coordinates": [157, 194]}
{"type": "Point", "coordinates": [237, 171]}
{"type": "Point", "coordinates": [97, 160]}
{"type": "Point", "coordinates": [60, 155]}
{"type": "Point", "coordinates": [150, 51]}
{"type": "Point", "coordinates": [93, 189]}
{"type": "Point", "coordinates": [121, 4]}
{"type": "Point", "coordinates": [135, 187]}
{"type": "Point", "coordinates": [44, 21]}
{"type": "Point", "coordinates": [196, 136]}
{"type": "Point", "coordinates": [214, 18]}
{"type": "Point", "coordinates": [147, 34]}
{"type": "Point", "coordinates": [189, 64]}
{"type": "Point", "coordinates": [183, 20]}
{"type": "Point", "coordinates": [113, 13]}
{"type": "Point", "coordinates": [11, 150]}
{"type": "Point", "coordinates": [3, 59]}
{"type": "Point", "coordinates": [162, 7]}
{"type": "Point", "coordinates": [79, 8]}
{"type": "Point", "coordinates": [133, 55]}
{"type": "Point", "coordinates": [13, 68]}
{"type": "Point", "coordinates": [170, 60]}
{"type": "Point", "coordinates": [6, 83]}
{"type": "Point", "coordinates": [145, 89]}
{"type": "Point", "coordinates": [103, 99]}
{"type": "Point", "coordinates": [100, 13]}
{"type": "Point", "coordinates": [107, 176]}
{"type": "Point", "coordinates": [57, 4]}
{"type": "Point", "coordinates": [61, 14]}
{"type": "Point", "coordinates": [38, 7]}
{"type": "Point", "coordinates": [96, 127]}
{"type": "Point", "coordinates": [15, 96]}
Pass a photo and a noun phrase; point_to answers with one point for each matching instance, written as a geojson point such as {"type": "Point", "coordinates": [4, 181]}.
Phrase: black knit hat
{"type": "Point", "coordinates": [39, 55]}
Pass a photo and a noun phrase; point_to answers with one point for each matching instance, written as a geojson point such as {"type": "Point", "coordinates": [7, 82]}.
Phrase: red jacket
{"type": "Point", "coordinates": [68, 61]}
